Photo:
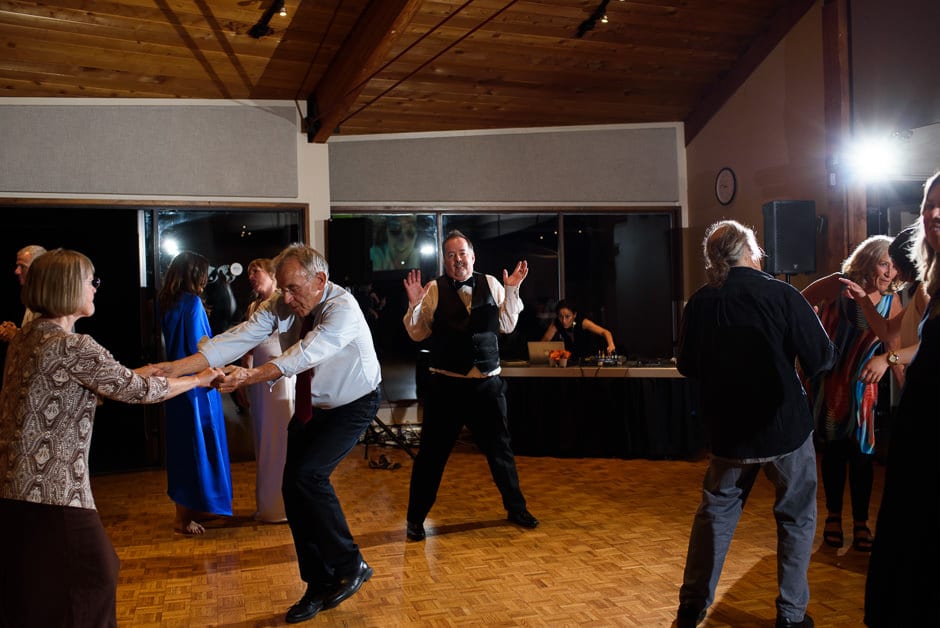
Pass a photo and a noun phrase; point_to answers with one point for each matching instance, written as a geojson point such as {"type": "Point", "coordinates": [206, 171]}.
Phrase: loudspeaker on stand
{"type": "Point", "coordinates": [790, 237]}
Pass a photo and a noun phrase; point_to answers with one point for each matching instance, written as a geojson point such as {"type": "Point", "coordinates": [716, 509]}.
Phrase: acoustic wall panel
{"type": "Point", "coordinates": [211, 150]}
{"type": "Point", "coordinates": [611, 165]}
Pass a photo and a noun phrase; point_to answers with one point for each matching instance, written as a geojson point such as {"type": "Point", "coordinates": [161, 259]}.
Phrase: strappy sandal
{"type": "Point", "coordinates": [862, 540]}
{"type": "Point", "coordinates": [384, 463]}
{"type": "Point", "coordinates": [833, 538]}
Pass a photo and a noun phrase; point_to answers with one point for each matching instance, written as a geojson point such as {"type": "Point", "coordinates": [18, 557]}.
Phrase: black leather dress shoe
{"type": "Point", "coordinates": [307, 608]}
{"type": "Point", "coordinates": [786, 623]}
{"type": "Point", "coordinates": [523, 518]}
{"type": "Point", "coordinates": [348, 585]}
{"type": "Point", "coordinates": [689, 616]}
{"type": "Point", "coordinates": [415, 531]}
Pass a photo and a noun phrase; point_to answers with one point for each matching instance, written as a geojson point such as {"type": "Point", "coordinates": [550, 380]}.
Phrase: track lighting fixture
{"type": "Point", "coordinates": [261, 29]}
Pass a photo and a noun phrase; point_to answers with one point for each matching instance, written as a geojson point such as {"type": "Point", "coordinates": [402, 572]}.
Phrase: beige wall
{"type": "Point", "coordinates": [772, 134]}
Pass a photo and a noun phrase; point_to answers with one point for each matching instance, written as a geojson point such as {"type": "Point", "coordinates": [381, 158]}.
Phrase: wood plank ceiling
{"type": "Point", "coordinates": [384, 66]}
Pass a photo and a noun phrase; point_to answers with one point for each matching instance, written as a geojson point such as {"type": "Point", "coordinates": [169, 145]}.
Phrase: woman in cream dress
{"type": "Point", "coordinates": [271, 406]}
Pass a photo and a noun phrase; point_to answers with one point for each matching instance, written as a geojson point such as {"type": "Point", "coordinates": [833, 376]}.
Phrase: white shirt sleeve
{"type": "Point", "coordinates": [509, 302]}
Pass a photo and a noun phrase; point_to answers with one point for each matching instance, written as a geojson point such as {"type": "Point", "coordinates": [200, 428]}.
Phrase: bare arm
{"type": "Point", "coordinates": [190, 364]}
{"type": "Point", "coordinates": [594, 328]}
{"type": "Point", "coordinates": [823, 291]}
{"type": "Point", "coordinates": [887, 328]}
{"type": "Point", "coordinates": [204, 378]}
{"type": "Point", "coordinates": [877, 365]}
{"type": "Point", "coordinates": [549, 332]}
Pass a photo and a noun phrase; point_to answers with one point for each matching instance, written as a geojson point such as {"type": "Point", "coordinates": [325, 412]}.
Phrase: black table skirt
{"type": "Point", "coordinates": [651, 418]}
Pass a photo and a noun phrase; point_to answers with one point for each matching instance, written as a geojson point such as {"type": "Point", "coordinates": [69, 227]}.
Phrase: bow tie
{"type": "Point", "coordinates": [460, 284]}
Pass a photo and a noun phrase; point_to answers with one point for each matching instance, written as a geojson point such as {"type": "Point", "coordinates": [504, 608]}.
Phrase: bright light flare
{"type": "Point", "coordinates": [171, 247]}
{"type": "Point", "coordinates": [873, 160]}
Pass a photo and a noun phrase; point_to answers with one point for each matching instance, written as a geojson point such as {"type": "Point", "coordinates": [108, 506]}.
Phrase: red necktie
{"type": "Point", "coordinates": [303, 403]}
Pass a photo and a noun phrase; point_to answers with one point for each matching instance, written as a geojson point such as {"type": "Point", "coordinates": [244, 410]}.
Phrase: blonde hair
{"type": "Point", "coordinates": [55, 285]}
{"type": "Point", "coordinates": [262, 263]}
{"type": "Point", "coordinates": [728, 243]}
{"type": "Point", "coordinates": [863, 262]}
{"type": "Point", "coordinates": [265, 265]}
{"type": "Point", "coordinates": [926, 257]}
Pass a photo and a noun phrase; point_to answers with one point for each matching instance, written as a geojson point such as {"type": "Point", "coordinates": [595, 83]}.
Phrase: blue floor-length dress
{"type": "Point", "coordinates": [197, 462]}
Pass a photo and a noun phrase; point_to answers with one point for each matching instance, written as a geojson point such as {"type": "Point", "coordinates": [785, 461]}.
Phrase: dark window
{"type": "Point", "coordinates": [620, 267]}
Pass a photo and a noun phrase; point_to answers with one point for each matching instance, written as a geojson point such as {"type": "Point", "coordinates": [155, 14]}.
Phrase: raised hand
{"type": "Point", "coordinates": [520, 273]}
{"type": "Point", "coordinates": [852, 289]}
{"type": "Point", "coordinates": [413, 287]}
{"type": "Point", "coordinates": [8, 329]}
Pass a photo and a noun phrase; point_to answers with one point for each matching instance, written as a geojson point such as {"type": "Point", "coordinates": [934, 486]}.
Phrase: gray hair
{"type": "Point", "coordinates": [728, 243]}
{"type": "Point", "coordinates": [311, 259]}
{"type": "Point", "coordinates": [33, 250]}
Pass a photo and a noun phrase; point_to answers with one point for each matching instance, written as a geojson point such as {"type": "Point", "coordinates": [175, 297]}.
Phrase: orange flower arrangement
{"type": "Point", "coordinates": [559, 354]}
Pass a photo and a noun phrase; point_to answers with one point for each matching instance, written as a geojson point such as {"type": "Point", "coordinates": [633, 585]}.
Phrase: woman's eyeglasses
{"type": "Point", "coordinates": [395, 228]}
{"type": "Point", "coordinates": [396, 231]}
{"type": "Point", "coordinates": [95, 282]}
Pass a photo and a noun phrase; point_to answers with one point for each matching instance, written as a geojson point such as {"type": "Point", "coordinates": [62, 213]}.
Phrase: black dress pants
{"type": "Point", "coordinates": [451, 403]}
{"type": "Point", "coordinates": [325, 547]}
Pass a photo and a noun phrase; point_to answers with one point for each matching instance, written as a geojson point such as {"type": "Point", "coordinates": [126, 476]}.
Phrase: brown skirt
{"type": "Point", "coordinates": [59, 567]}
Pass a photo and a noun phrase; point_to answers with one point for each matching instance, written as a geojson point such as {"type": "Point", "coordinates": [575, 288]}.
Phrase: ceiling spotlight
{"type": "Point", "coordinates": [604, 19]}
{"type": "Point", "coordinates": [261, 29]}
{"type": "Point", "coordinates": [283, 12]}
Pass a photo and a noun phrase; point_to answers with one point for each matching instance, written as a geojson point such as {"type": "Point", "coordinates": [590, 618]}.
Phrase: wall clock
{"type": "Point", "coordinates": [726, 185]}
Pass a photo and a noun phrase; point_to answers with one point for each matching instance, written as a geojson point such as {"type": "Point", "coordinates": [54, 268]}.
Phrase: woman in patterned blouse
{"type": "Point", "coordinates": [59, 567]}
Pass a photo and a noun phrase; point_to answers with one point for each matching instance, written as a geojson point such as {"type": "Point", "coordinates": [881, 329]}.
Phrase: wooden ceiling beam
{"type": "Point", "coordinates": [367, 47]}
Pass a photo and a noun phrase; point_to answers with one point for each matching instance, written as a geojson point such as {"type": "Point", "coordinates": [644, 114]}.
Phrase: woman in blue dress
{"type": "Point", "coordinates": [197, 463]}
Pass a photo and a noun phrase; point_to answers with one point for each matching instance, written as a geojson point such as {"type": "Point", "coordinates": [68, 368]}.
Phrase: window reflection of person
{"type": "Point", "coordinates": [398, 251]}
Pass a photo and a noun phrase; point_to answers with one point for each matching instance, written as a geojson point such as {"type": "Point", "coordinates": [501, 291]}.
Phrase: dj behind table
{"type": "Point", "coordinates": [604, 407]}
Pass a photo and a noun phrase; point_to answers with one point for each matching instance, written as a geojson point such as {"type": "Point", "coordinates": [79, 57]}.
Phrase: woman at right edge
{"type": "Point", "coordinates": [900, 586]}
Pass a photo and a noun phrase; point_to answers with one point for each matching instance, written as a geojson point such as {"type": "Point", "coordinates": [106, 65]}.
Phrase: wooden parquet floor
{"type": "Point", "coordinates": [609, 551]}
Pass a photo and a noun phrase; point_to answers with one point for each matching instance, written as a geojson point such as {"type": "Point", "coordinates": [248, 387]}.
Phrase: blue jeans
{"type": "Point", "coordinates": [725, 489]}
{"type": "Point", "coordinates": [325, 546]}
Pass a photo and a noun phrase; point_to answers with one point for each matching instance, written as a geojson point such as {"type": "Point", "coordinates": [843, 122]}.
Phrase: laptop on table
{"type": "Point", "coordinates": [539, 351]}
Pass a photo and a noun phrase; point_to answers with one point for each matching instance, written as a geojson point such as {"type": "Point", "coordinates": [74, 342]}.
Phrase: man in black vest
{"type": "Point", "coordinates": [462, 312]}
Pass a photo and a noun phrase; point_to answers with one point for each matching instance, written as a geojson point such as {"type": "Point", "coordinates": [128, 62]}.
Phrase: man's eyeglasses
{"type": "Point", "coordinates": [95, 282]}
{"type": "Point", "coordinates": [294, 290]}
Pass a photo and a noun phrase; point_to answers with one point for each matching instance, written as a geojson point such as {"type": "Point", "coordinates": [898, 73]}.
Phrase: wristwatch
{"type": "Point", "coordinates": [893, 358]}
